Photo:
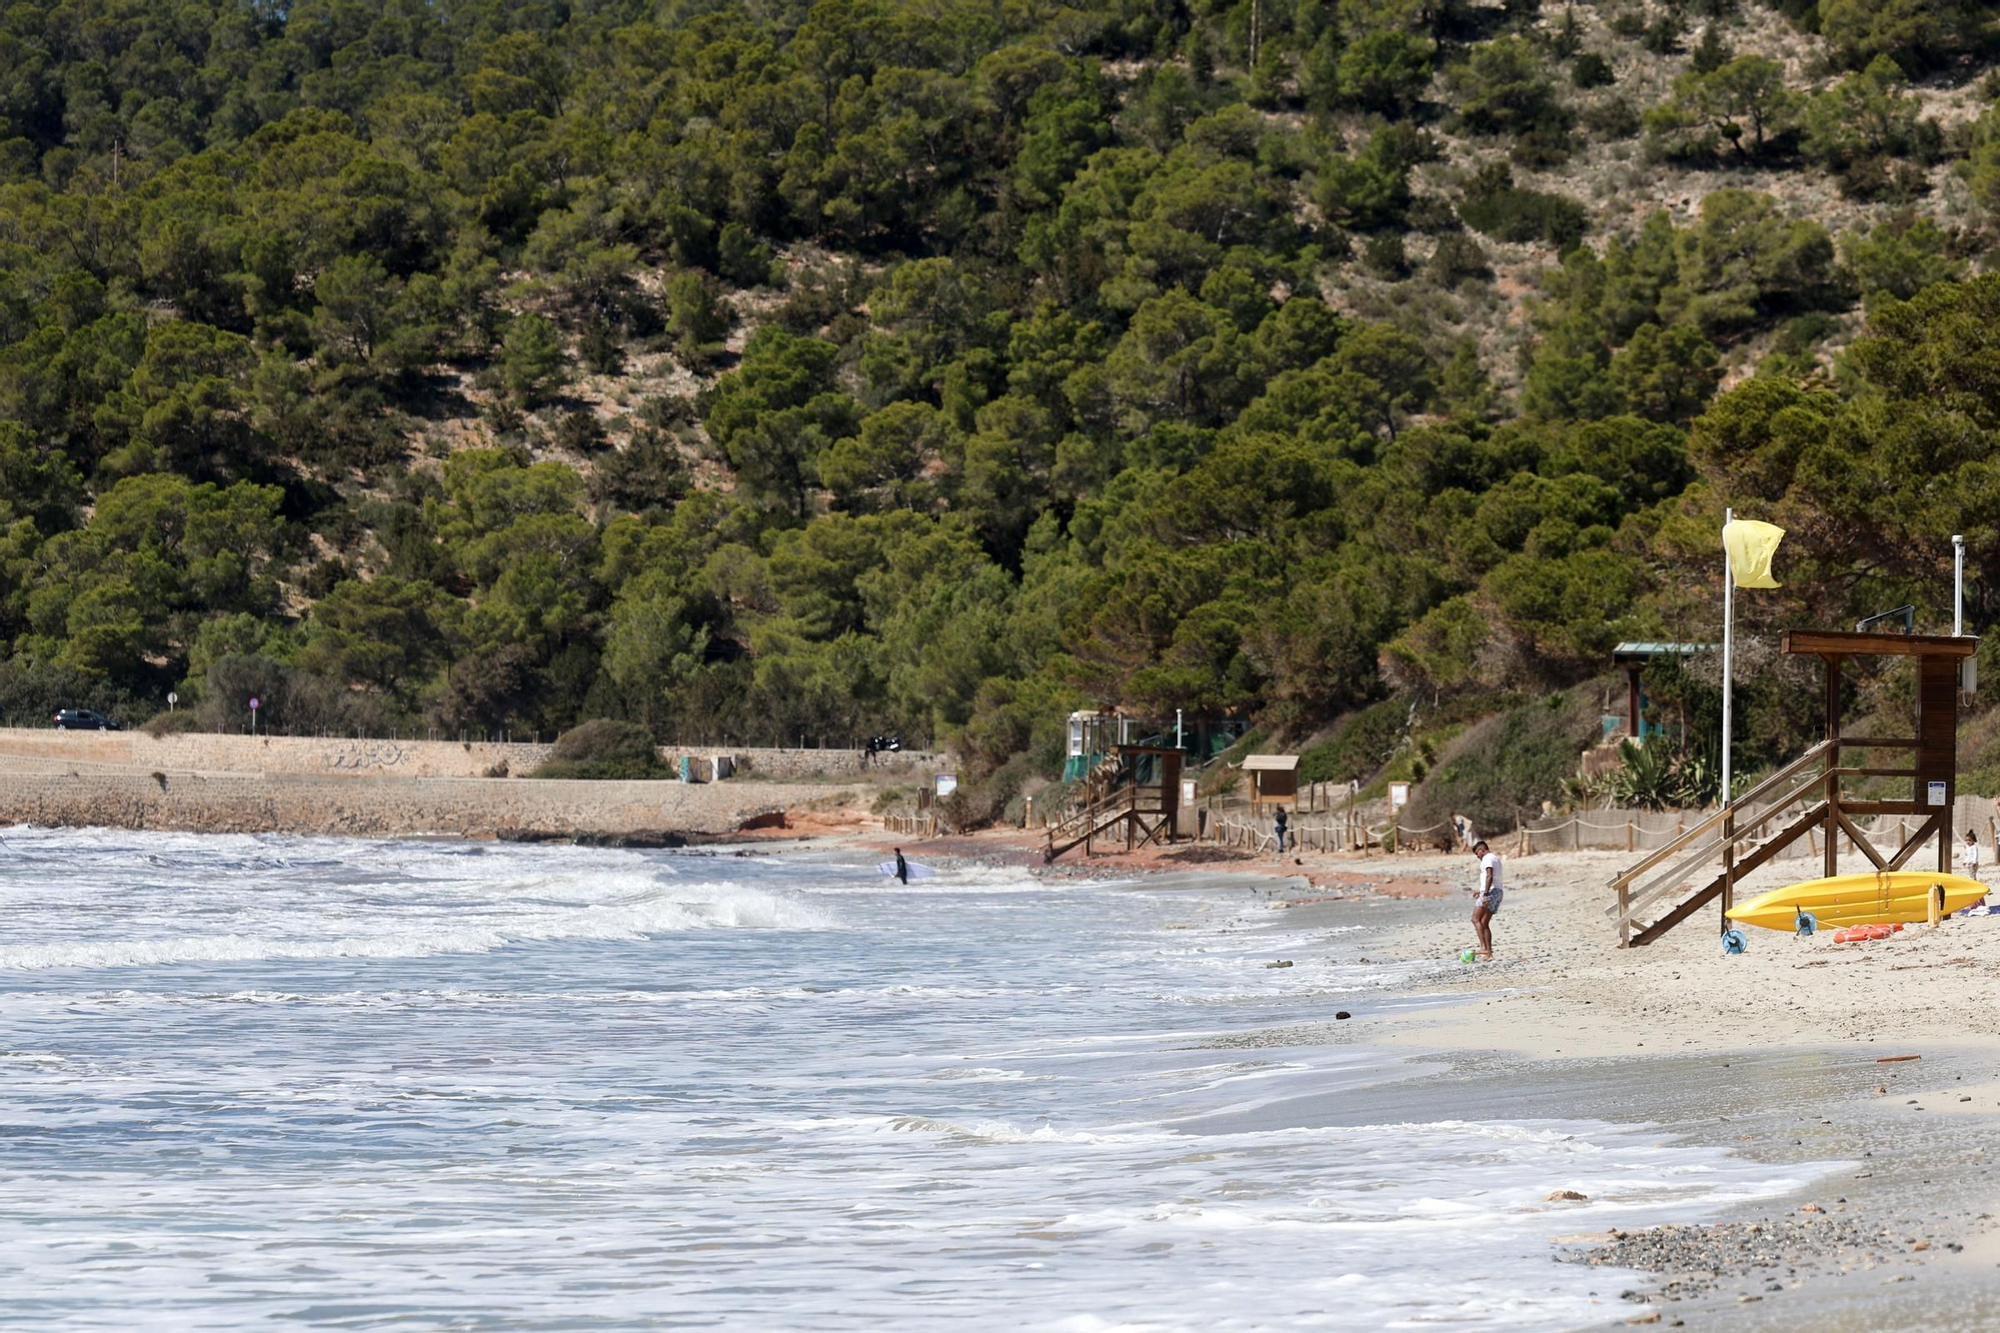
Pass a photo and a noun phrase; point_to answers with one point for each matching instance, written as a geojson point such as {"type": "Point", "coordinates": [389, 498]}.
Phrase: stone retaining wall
{"type": "Point", "coordinates": [392, 806]}
{"type": "Point", "coordinates": [48, 750]}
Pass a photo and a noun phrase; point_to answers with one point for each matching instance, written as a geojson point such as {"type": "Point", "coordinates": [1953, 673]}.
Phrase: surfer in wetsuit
{"type": "Point", "coordinates": [902, 868]}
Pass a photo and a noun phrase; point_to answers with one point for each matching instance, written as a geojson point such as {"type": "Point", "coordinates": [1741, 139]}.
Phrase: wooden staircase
{"type": "Point", "coordinates": [1655, 895]}
{"type": "Point", "coordinates": [1116, 796]}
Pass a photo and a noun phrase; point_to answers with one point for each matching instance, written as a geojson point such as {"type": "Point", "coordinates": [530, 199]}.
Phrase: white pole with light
{"type": "Point", "coordinates": [1728, 646]}
{"type": "Point", "coordinates": [1957, 585]}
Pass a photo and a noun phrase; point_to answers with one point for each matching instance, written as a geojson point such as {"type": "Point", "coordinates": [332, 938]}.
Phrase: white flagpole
{"type": "Point", "coordinates": [1728, 648]}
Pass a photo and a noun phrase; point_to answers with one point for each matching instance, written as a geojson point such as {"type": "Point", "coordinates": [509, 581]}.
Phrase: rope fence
{"type": "Point", "coordinates": [1622, 830]}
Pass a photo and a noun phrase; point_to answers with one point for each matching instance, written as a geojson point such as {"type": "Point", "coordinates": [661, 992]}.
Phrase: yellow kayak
{"type": "Point", "coordinates": [1878, 897]}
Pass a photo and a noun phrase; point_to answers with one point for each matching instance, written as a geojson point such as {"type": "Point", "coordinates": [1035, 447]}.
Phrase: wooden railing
{"type": "Point", "coordinates": [1719, 834]}
{"type": "Point", "coordinates": [1126, 804]}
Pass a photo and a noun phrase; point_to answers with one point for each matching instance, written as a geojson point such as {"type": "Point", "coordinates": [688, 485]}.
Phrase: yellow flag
{"type": "Point", "coordinates": [1751, 545]}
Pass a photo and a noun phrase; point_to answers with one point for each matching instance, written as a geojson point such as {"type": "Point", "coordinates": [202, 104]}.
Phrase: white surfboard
{"type": "Point", "coordinates": [916, 871]}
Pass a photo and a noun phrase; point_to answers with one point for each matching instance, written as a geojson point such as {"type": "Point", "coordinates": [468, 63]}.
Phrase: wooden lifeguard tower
{"type": "Point", "coordinates": [1137, 787]}
{"type": "Point", "coordinates": [1654, 895]}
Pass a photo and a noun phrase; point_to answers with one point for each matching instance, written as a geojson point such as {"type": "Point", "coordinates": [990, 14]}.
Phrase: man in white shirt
{"type": "Point", "coordinates": [1486, 898]}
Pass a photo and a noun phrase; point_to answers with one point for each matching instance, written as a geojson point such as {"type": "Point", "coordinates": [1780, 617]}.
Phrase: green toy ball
{"type": "Point", "coordinates": [1467, 956]}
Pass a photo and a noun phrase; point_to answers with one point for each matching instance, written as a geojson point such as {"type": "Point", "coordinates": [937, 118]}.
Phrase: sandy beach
{"type": "Point", "coordinates": [1795, 1051]}
{"type": "Point", "coordinates": [1791, 1049]}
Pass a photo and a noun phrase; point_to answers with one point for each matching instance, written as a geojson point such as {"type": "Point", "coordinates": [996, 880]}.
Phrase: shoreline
{"type": "Point", "coordinates": [1784, 1054]}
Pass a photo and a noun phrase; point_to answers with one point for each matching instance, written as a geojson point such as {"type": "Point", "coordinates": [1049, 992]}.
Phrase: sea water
{"type": "Point", "coordinates": [303, 1083]}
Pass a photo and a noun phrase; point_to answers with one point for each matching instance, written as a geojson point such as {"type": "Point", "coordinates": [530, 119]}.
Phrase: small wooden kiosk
{"type": "Point", "coordinates": [1274, 780]}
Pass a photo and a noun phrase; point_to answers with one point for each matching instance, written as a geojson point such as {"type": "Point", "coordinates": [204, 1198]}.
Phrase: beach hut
{"type": "Point", "coordinates": [1274, 779]}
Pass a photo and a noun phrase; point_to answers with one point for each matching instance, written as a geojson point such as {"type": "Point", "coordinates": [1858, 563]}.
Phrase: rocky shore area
{"type": "Point", "coordinates": [1772, 1255]}
{"type": "Point", "coordinates": [400, 788]}
{"type": "Point", "coordinates": [382, 807]}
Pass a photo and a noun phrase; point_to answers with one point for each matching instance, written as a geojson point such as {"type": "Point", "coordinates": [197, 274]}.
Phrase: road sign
{"type": "Point", "coordinates": [255, 702]}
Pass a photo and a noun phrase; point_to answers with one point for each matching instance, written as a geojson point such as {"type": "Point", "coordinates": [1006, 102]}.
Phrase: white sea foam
{"type": "Point", "coordinates": [304, 908]}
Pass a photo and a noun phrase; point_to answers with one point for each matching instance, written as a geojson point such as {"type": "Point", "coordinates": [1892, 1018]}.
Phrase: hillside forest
{"type": "Point", "coordinates": [764, 369]}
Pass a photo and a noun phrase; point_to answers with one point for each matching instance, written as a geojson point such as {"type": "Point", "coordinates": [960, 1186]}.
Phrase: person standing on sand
{"type": "Point", "coordinates": [1486, 904]}
{"type": "Point", "coordinates": [1281, 830]}
{"type": "Point", "coordinates": [902, 869]}
{"type": "Point", "coordinates": [1968, 856]}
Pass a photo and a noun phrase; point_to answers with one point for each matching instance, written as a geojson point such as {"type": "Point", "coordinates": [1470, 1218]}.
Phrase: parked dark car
{"type": "Point", "coordinates": [83, 719]}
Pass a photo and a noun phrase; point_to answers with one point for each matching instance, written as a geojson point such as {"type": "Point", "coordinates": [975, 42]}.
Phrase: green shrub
{"type": "Point", "coordinates": [1903, 255]}
{"type": "Point", "coordinates": [1366, 190]}
{"type": "Point", "coordinates": [579, 432]}
{"type": "Point", "coordinates": [1663, 37]}
{"type": "Point", "coordinates": [176, 723]}
{"type": "Point", "coordinates": [531, 359]}
{"type": "Point", "coordinates": [1800, 336]}
{"type": "Point", "coordinates": [604, 750]}
{"type": "Point", "coordinates": [1384, 257]}
{"type": "Point", "coordinates": [1495, 205]}
{"type": "Point", "coordinates": [1457, 259]}
{"type": "Point", "coordinates": [1711, 53]}
{"type": "Point", "coordinates": [1590, 70]}
{"type": "Point", "coordinates": [1616, 118]}
{"type": "Point", "coordinates": [1502, 88]}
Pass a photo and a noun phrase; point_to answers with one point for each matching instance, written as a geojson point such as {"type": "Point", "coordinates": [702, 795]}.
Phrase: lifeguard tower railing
{"type": "Point", "coordinates": [1654, 891]}
{"type": "Point", "coordinates": [1136, 790]}
{"type": "Point", "coordinates": [1655, 895]}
